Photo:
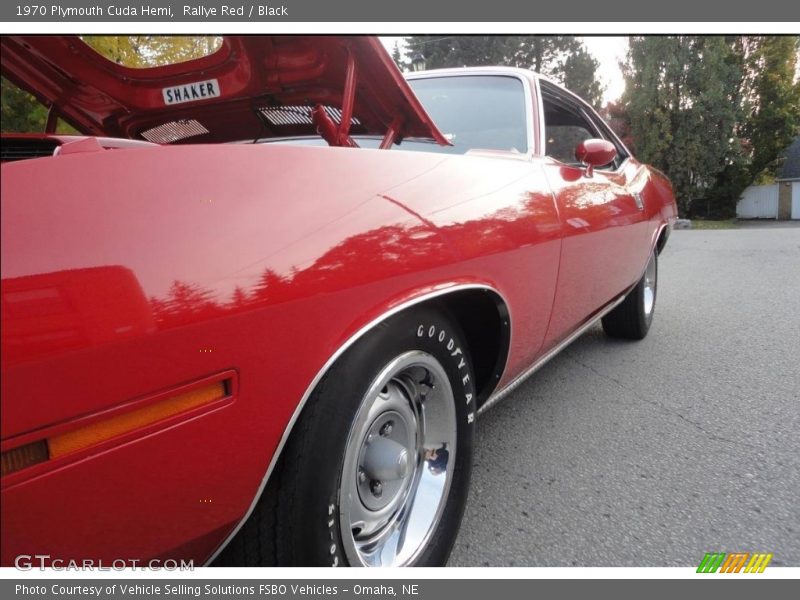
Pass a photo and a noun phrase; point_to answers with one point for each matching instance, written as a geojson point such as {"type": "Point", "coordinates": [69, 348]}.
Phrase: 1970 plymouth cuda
{"type": "Point", "coordinates": [251, 314]}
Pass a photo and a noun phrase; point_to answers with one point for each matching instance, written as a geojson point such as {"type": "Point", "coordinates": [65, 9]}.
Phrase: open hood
{"type": "Point", "coordinates": [252, 87]}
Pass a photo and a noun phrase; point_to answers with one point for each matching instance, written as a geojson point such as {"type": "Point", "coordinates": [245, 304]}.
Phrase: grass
{"type": "Point", "coordinates": [709, 224]}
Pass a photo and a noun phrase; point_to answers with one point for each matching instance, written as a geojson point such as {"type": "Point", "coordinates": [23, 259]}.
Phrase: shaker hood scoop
{"type": "Point", "coordinates": [252, 87]}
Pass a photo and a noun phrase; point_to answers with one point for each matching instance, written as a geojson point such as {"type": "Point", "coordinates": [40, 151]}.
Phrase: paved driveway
{"type": "Point", "coordinates": [652, 453]}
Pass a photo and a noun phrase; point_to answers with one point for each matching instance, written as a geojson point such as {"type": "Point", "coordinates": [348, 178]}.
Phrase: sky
{"type": "Point", "coordinates": [608, 50]}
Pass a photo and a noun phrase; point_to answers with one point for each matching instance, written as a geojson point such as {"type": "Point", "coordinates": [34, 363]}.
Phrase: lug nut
{"type": "Point", "coordinates": [362, 477]}
{"type": "Point", "coordinates": [386, 429]}
{"type": "Point", "coordinates": [376, 487]}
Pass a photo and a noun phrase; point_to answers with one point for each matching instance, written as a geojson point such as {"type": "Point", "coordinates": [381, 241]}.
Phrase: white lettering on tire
{"type": "Point", "coordinates": [331, 522]}
{"type": "Point", "coordinates": [454, 351]}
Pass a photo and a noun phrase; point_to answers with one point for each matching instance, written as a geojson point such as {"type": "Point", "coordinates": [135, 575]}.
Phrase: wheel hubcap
{"type": "Point", "coordinates": [650, 286]}
{"type": "Point", "coordinates": [398, 463]}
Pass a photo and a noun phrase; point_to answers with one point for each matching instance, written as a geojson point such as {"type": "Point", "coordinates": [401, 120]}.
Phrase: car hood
{"type": "Point", "coordinates": [252, 87]}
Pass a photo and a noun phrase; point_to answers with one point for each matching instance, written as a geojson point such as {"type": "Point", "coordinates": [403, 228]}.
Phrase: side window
{"type": "Point", "coordinates": [607, 134]}
{"type": "Point", "coordinates": [566, 125]}
{"type": "Point", "coordinates": [564, 130]}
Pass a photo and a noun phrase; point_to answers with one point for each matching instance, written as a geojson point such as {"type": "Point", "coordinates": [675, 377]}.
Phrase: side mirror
{"type": "Point", "coordinates": [595, 153]}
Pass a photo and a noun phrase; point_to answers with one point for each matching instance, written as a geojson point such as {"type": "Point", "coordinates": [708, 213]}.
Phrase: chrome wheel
{"type": "Point", "coordinates": [649, 295]}
{"type": "Point", "coordinates": [398, 463]}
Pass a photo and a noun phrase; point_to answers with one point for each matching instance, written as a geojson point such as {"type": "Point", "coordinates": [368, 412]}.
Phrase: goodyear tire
{"type": "Point", "coordinates": [376, 471]}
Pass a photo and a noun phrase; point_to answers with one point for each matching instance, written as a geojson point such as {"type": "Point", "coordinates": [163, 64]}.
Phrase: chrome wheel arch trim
{"type": "Point", "coordinates": [398, 308]}
{"type": "Point", "coordinates": [661, 229]}
{"type": "Point", "coordinates": [650, 286]}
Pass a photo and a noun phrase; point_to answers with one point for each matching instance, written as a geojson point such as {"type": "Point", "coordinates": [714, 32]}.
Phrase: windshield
{"type": "Point", "coordinates": [475, 112]}
{"type": "Point", "coordinates": [485, 112]}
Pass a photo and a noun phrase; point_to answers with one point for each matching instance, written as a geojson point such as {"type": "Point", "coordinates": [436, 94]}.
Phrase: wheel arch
{"type": "Point", "coordinates": [483, 315]}
{"type": "Point", "coordinates": [661, 238]}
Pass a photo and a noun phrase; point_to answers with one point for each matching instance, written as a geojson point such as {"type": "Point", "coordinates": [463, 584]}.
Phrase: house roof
{"type": "Point", "coordinates": [791, 166]}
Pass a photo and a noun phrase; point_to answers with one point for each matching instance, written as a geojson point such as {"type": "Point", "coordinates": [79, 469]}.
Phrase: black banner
{"type": "Point", "coordinates": [392, 589]}
{"type": "Point", "coordinates": [440, 11]}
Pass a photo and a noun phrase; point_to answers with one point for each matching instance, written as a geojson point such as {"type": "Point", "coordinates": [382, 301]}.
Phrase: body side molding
{"type": "Point", "coordinates": [519, 379]}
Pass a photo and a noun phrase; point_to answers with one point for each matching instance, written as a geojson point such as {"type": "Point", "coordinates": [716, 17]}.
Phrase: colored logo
{"type": "Point", "coordinates": [735, 562]}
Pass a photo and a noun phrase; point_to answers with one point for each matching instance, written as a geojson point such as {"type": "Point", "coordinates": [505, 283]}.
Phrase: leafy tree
{"type": "Point", "coordinates": [152, 50]}
{"type": "Point", "coordinates": [715, 113]}
{"type": "Point", "coordinates": [20, 111]}
{"type": "Point", "coordinates": [682, 96]}
{"type": "Point", "coordinates": [775, 113]}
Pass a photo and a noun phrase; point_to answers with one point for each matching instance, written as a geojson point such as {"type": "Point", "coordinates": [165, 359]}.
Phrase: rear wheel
{"type": "Point", "coordinates": [376, 472]}
{"type": "Point", "coordinates": [633, 317]}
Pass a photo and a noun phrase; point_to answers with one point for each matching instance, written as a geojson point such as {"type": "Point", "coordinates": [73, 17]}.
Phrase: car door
{"type": "Point", "coordinates": [602, 217]}
{"type": "Point", "coordinates": [493, 203]}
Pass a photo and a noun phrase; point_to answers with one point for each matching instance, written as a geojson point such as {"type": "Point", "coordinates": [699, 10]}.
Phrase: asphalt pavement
{"type": "Point", "coordinates": [653, 453]}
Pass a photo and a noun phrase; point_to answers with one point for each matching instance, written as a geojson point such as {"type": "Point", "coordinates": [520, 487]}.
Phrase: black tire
{"type": "Point", "coordinates": [631, 320]}
{"type": "Point", "coordinates": [295, 522]}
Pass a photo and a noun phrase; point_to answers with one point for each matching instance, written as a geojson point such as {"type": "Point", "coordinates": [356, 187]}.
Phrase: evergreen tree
{"type": "Point", "coordinates": [682, 99]}
{"type": "Point", "coordinates": [564, 58]}
{"type": "Point", "coordinates": [397, 57]}
{"type": "Point", "coordinates": [775, 116]}
{"type": "Point", "coordinates": [580, 76]}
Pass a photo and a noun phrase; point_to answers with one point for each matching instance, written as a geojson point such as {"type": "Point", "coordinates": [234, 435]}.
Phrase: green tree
{"type": "Point", "coordinates": [564, 58]}
{"type": "Point", "coordinates": [580, 76]}
{"type": "Point", "coordinates": [715, 113]}
{"type": "Point", "coordinates": [682, 98]}
{"type": "Point", "coordinates": [19, 111]}
{"type": "Point", "coordinates": [140, 51]}
{"type": "Point", "coordinates": [775, 110]}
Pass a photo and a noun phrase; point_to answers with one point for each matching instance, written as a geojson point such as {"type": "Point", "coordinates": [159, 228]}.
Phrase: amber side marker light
{"type": "Point", "coordinates": [24, 456]}
{"type": "Point", "coordinates": [100, 431]}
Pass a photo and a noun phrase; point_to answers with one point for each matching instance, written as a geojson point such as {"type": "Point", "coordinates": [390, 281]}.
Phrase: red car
{"type": "Point", "coordinates": [251, 315]}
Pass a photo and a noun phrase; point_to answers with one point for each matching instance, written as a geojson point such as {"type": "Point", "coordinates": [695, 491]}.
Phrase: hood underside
{"type": "Point", "coordinates": [253, 87]}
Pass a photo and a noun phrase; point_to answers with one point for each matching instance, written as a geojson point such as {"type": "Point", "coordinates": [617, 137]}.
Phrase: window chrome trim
{"type": "Point", "coordinates": [519, 74]}
{"type": "Point", "coordinates": [590, 114]}
{"type": "Point", "coordinates": [542, 127]}
{"type": "Point", "coordinates": [585, 105]}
